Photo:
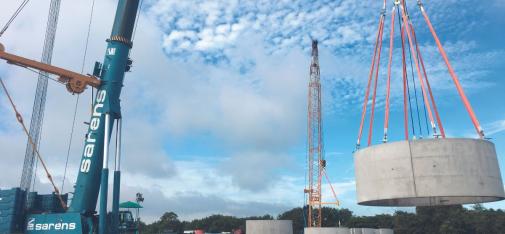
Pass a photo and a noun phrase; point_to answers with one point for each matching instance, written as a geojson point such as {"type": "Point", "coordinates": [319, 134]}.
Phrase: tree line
{"type": "Point", "coordinates": [441, 219]}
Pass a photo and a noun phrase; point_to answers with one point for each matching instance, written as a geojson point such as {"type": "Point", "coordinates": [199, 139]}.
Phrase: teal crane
{"type": "Point", "coordinates": [80, 217]}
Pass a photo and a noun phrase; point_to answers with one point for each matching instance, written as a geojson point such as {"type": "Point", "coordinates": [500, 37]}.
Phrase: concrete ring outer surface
{"type": "Point", "coordinates": [326, 230]}
{"type": "Point", "coordinates": [428, 172]}
{"type": "Point", "coordinates": [269, 227]}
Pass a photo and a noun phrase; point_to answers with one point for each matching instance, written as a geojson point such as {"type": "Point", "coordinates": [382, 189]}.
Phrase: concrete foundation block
{"type": "Point", "coordinates": [385, 231]}
{"type": "Point", "coordinates": [269, 226]}
{"type": "Point", "coordinates": [327, 230]}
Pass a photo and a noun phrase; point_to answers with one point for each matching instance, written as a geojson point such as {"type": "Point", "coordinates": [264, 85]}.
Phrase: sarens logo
{"type": "Point", "coordinates": [59, 226]}
{"type": "Point", "coordinates": [94, 124]}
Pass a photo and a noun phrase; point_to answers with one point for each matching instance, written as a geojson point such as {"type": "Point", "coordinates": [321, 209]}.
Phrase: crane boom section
{"type": "Point", "coordinates": [106, 102]}
{"type": "Point", "coordinates": [315, 143]}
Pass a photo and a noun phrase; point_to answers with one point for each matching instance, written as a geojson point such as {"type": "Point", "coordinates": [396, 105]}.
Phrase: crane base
{"type": "Point", "coordinates": [428, 172]}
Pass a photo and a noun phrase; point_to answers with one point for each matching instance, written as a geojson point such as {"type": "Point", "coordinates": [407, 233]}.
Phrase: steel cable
{"type": "Point", "coordinates": [404, 71]}
{"type": "Point", "coordinates": [19, 118]}
{"type": "Point", "coordinates": [78, 96]}
{"type": "Point", "coordinates": [13, 17]}
{"type": "Point", "coordinates": [415, 88]}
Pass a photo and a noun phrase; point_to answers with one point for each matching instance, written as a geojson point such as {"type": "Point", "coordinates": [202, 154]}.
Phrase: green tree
{"type": "Point", "coordinates": [433, 220]}
{"type": "Point", "coordinates": [169, 221]}
{"type": "Point", "coordinates": [405, 223]}
{"type": "Point", "coordinates": [296, 215]}
{"type": "Point", "coordinates": [333, 217]}
{"type": "Point", "coordinates": [216, 223]}
{"type": "Point", "coordinates": [442, 219]}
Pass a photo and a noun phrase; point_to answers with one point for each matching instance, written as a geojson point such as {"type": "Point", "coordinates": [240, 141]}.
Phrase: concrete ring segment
{"type": "Point", "coordinates": [428, 172]}
{"type": "Point", "coordinates": [327, 230]}
{"type": "Point", "coordinates": [269, 226]}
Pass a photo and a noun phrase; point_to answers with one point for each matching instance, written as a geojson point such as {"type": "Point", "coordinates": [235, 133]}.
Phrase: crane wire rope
{"type": "Point", "coordinates": [435, 109]}
{"type": "Point", "coordinates": [425, 76]}
{"type": "Point", "coordinates": [19, 118]}
{"type": "Point", "coordinates": [414, 83]}
{"type": "Point", "coordinates": [415, 57]}
{"type": "Point", "coordinates": [405, 75]}
{"type": "Point", "coordinates": [419, 75]}
{"type": "Point", "coordinates": [13, 17]}
{"type": "Point", "coordinates": [415, 93]}
{"type": "Point", "coordinates": [46, 76]}
{"type": "Point", "coordinates": [78, 96]}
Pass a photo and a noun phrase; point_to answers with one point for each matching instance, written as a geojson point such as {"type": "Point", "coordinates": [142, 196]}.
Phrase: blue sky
{"type": "Point", "coordinates": [215, 108]}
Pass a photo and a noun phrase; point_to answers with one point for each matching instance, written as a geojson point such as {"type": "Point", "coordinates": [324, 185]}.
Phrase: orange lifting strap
{"type": "Point", "coordinates": [455, 79]}
{"type": "Point", "coordinates": [407, 29]}
{"type": "Point", "coordinates": [372, 68]}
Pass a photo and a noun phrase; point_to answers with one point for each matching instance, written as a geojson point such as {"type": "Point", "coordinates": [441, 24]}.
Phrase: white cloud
{"type": "Point", "coordinates": [495, 127]}
{"type": "Point", "coordinates": [256, 171]}
{"type": "Point", "coordinates": [165, 98]}
{"type": "Point", "coordinates": [220, 24]}
{"type": "Point", "coordinates": [251, 107]}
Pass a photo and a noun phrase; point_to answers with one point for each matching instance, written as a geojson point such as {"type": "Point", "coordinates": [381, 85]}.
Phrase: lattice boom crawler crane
{"type": "Point", "coordinates": [315, 144]}
{"type": "Point", "coordinates": [80, 216]}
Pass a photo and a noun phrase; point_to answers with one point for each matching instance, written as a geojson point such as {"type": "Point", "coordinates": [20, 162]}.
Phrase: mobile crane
{"type": "Point", "coordinates": [107, 78]}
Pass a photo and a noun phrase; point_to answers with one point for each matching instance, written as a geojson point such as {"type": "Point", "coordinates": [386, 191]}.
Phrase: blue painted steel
{"type": "Point", "coordinates": [81, 215]}
{"type": "Point", "coordinates": [102, 224]}
{"type": "Point", "coordinates": [11, 210]}
{"type": "Point", "coordinates": [106, 101]}
{"type": "Point", "coordinates": [115, 202]}
{"type": "Point", "coordinates": [54, 223]}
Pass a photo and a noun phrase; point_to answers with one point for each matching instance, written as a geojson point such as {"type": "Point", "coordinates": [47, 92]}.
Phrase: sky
{"type": "Point", "coordinates": [215, 106]}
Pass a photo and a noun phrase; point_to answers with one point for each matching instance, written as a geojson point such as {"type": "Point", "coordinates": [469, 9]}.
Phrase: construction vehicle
{"type": "Point", "coordinates": [81, 215]}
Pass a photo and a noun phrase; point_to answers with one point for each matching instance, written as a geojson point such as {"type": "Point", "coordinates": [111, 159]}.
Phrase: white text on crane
{"type": "Point", "coordinates": [94, 124]}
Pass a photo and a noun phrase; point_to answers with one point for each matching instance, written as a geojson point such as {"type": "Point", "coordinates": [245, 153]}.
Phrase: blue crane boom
{"type": "Point", "coordinates": [106, 103]}
{"type": "Point", "coordinates": [93, 170]}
